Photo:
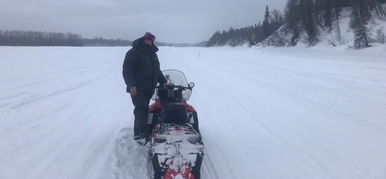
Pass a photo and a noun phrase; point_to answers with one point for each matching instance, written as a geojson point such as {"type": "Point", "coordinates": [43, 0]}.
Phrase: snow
{"type": "Point", "coordinates": [264, 112]}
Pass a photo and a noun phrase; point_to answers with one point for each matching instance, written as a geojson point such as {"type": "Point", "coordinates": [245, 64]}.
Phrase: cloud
{"type": "Point", "coordinates": [171, 20]}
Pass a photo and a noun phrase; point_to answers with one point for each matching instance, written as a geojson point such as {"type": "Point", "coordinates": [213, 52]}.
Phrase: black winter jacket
{"type": "Point", "coordinates": [141, 67]}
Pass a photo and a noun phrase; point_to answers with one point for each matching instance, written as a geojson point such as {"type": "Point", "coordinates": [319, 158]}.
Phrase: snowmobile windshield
{"type": "Point", "coordinates": [175, 77]}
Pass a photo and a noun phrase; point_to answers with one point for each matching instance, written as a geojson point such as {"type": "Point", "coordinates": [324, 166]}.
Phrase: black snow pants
{"type": "Point", "coordinates": [141, 107]}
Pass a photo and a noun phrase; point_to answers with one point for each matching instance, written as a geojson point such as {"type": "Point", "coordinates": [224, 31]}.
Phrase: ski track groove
{"type": "Point", "coordinates": [264, 113]}
{"type": "Point", "coordinates": [208, 168]}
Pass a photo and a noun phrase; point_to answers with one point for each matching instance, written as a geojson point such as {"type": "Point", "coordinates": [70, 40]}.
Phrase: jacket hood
{"type": "Point", "coordinates": [140, 45]}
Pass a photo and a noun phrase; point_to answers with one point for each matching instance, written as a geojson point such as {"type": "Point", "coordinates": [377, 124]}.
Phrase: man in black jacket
{"type": "Point", "coordinates": [141, 71]}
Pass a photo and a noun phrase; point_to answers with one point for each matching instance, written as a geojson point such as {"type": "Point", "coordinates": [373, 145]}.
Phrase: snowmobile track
{"type": "Point", "coordinates": [208, 170]}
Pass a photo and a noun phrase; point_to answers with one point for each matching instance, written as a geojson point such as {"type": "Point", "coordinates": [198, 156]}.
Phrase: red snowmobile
{"type": "Point", "coordinates": [176, 147]}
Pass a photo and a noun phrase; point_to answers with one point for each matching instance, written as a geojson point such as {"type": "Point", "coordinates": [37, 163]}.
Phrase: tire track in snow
{"type": "Point", "coordinates": [208, 170]}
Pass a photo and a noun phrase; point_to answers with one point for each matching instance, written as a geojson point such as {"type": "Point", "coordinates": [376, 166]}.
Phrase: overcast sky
{"type": "Point", "coordinates": [170, 20]}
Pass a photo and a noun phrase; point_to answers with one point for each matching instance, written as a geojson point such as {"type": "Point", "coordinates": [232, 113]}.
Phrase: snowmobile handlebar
{"type": "Point", "coordinates": [174, 93]}
{"type": "Point", "coordinates": [172, 86]}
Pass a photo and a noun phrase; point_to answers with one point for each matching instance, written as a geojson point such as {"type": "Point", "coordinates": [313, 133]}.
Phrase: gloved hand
{"type": "Point", "coordinates": [133, 91]}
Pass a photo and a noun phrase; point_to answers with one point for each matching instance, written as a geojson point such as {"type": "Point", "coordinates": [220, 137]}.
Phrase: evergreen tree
{"type": "Point", "coordinates": [328, 14]}
{"type": "Point", "coordinates": [292, 16]}
{"type": "Point", "coordinates": [337, 12]}
{"type": "Point", "coordinates": [359, 17]}
{"type": "Point", "coordinates": [266, 23]}
{"type": "Point", "coordinates": [308, 23]}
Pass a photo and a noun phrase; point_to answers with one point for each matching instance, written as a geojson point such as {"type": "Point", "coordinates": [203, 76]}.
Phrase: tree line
{"type": "Point", "coordinates": [34, 38]}
{"type": "Point", "coordinates": [99, 41]}
{"type": "Point", "coordinates": [252, 34]}
{"type": "Point", "coordinates": [307, 17]}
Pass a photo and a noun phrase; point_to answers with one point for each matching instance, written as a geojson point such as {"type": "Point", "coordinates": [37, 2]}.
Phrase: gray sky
{"type": "Point", "coordinates": [170, 20]}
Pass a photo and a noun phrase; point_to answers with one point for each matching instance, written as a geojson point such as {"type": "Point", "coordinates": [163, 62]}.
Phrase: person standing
{"type": "Point", "coordinates": [141, 72]}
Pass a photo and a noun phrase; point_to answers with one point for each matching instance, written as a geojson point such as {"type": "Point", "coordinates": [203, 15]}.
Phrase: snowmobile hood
{"type": "Point", "coordinates": [140, 45]}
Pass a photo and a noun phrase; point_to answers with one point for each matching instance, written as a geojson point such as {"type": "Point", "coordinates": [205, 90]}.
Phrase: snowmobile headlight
{"type": "Point", "coordinates": [186, 94]}
{"type": "Point", "coordinates": [193, 140]}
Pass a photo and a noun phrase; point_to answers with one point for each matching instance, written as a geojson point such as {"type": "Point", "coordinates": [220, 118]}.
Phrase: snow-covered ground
{"type": "Point", "coordinates": [267, 113]}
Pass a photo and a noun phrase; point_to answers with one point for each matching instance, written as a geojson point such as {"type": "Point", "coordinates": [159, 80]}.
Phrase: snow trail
{"type": "Point", "coordinates": [264, 113]}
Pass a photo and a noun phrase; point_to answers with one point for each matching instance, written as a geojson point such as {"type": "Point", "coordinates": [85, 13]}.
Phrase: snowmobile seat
{"type": "Point", "coordinates": [175, 113]}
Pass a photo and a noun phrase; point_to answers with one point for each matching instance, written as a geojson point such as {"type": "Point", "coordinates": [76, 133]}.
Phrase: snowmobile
{"type": "Point", "coordinates": [176, 147]}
